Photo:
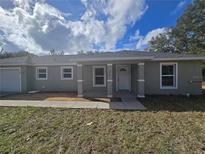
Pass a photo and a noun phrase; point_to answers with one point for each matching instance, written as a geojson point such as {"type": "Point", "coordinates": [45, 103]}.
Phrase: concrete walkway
{"type": "Point", "coordinates": [75, 105]}
{"type": "Point", "coordinates": [129, 102]}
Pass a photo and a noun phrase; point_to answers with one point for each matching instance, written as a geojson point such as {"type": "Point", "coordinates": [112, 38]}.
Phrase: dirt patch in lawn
{"type": "Point", "coordinates": [51, 96]}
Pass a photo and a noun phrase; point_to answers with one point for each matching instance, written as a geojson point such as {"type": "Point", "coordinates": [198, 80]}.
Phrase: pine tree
{"type": "Point", "coordinates": [187, 36]}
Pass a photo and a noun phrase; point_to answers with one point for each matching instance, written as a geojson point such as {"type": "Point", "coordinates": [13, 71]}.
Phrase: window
{"type": "Point", "coordinates": [168, 75]}
{"type": "Point", "coordinates": [99, 76]}
{"type": "Point", "coordinates": [41, 73]}
{"type": "Point", "coordinates": [67, 73]}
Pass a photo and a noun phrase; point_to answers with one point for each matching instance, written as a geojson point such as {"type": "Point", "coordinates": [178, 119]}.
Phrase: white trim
{"type": "Point", "coordinates": [62, 72]}
{"type": "Point", "coordinates": [58, 64]}
{"type": "Point", "coordinates": [79, 65]}
{"type": "Point", "coordinates": [15, 68]}
{"type": "Point", "coordinates": [103, 85]}
{"type": "Point", "coordinates": [80, 95]}
{"type": "Point", "coordinates": [169, 87]}
{"type": "Point", "coordinates": [14, 64]}
{"type": "Point", "coordinates": [109, 80]}
{"type": "Point", "coordinates": [141, 80]}
{"type": "Point", "coordinates": [12, 68]}
{"type": "Point", "coordinates": [114, 58]}
{"type": "Point", "coordinates": [182, 58]}
{"type": "Point", "coordinates": [37, 77]}
{"type": "Point", "coordinates": [141, 96]}
{"type": "Point", "coordinates": [109, 96]}
{"type": "Point", "coordinates": [117, 76]}
{"type": "Point", "coordinates": [141, 64]}
{"type": "Point", "coordinates": [80, 80]}
{"type": "Point", "coordinates": [109, 64]}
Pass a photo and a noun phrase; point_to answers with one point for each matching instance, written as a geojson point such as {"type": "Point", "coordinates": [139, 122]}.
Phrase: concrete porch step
{"type": "Point", "coordinates": [128, 99]}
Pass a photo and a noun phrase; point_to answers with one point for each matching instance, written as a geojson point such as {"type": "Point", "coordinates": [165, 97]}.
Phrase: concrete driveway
{"type": "Point", "coordinates": [76, 105]}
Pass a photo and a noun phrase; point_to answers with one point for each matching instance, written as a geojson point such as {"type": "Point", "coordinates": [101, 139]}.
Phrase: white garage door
{"type": "Point", "coordinates": [10, 80]}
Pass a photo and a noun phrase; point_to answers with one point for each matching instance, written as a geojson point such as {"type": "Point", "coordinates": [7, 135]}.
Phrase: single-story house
{"type": "Point", "coordinates": [104, 74]}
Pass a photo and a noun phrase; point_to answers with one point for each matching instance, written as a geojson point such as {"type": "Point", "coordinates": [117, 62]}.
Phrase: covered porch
{"type": "Point", "coordinates": [111, 79]}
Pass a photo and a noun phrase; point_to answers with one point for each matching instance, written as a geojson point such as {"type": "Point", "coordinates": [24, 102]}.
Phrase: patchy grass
{"type": "Point", "coordinates": [174, 103]}
{"type": "Point", "coordinates": [48, 130]}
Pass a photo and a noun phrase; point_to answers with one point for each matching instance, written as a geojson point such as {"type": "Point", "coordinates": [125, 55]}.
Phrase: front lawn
{"type": "Point", "coordinates": [48, 130]}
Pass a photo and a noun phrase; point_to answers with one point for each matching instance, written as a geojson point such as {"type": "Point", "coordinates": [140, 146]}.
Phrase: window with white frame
{"type": "Point", "coordinates": [41, 73]}
{"type": "Point", "coordinates": [99, 76]}
{"type": "Point", "coordinates": [67, 73]}
{"type": "Point", "coordinates": [168, 75]}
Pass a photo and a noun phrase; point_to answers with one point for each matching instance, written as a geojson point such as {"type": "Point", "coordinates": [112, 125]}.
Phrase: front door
{"type": "Point", "coordinates": [123, 77]}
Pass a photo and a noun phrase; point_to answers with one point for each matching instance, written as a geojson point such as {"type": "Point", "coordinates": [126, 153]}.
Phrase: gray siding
{"type": "Point", "coordinates": [24, 82]}
{"type": "Point", "coordinates": [29, 78]}
{"type": "Point", "coordinates": [134, 78]}
{"type": "Point", "coordinates": [88, 88]}
{"type": "Point", "coordinates": [114, 77]}
{"type": "Point", "coordinates": [54, 82]}
{"type": "Point", "coordinates": [187, 71]}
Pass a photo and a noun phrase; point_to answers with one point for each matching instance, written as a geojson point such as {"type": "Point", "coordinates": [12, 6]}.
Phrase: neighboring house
{"type": "Point", "coordinates": [104, 74]}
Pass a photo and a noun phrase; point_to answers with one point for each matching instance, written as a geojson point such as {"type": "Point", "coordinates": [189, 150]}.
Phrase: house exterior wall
{"type": "Point", "coordinates": [24, 83]}
{"type": "Point", "coordinates": [134, 78]}
{"type": "Point", "coordinates": [53, 82]}
{"type": "Point", "coordinates": [187, 71]}
{"type": "Point", "coordinates": [30, 78]}
{"type": "Point", "coordinates": [114, 77]}
{"type": "Point", "coordinates": [88, 88]}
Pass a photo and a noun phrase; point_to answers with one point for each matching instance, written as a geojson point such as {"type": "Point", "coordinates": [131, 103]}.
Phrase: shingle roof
{"type": "Point", "coordinates": [102, 56]}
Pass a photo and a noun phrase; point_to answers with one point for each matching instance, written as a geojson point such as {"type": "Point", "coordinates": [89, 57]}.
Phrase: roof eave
{"type": "Point", "coordinates": [22, 64]}
{"type": "Point", "coordinates": [113, 59]}
{"type": "Point", "coordinates": [180, 59]}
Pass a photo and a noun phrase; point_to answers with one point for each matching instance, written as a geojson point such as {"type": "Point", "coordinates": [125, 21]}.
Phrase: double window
{"type": "Point", "coordinates": [99, 79]}
{"type": "Point", "coordinates": [41, 73]}
{"type": "Point", "coordinates": [67, 73]}
{"type": "Point", "coordinates": [168, 75]}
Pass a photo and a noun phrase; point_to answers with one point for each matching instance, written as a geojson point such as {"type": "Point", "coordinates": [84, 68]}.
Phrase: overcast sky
{"type": "Point", "coordinates": [38, 26]}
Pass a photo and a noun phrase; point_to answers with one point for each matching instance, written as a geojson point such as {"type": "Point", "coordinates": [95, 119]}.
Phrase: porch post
{"type": "Point", "coordinates": [80, 80]}
{"type": "Point", "coordinates": [109, 81]}
{"type": "Point", "coordinates": [140, 80]}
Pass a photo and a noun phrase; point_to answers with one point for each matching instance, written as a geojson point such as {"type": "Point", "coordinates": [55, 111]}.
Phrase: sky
{"type": "Point", "coordinates": [38, 26]}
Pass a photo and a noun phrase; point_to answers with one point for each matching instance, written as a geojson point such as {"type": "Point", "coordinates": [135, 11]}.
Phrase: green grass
{"type": "Point", "coordinates": [48, 130]}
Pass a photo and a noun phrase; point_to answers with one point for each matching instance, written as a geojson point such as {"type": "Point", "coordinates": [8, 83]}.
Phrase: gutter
{"type": "Point", "coordinates": [113, 59]}
{"type": "Point", "coordinates": [181, 59]}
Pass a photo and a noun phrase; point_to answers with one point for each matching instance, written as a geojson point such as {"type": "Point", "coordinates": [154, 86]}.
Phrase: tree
{"type": "Point", "coordinates": [53, 52]}
{"type": "Point", "coordinates": [62, 53]}
{"type": "Point", "coordinates": [163, 43]}
{"type": "Point", "coordinates": [188, 35]}
{"type": "Point", "coordinates": [5, 54]}
{"type": "Point", "coordinates": [190, 28]}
